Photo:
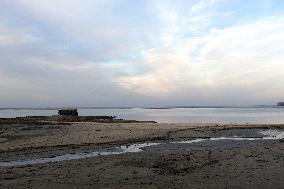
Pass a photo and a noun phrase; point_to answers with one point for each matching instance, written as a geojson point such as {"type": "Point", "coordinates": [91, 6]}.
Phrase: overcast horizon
{"type": "Point", "coordinates": [129, 53]}
{"type": "Point", "coordinates": [143, 107]}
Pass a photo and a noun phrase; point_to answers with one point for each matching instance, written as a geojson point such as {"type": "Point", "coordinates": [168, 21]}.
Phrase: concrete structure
{"type": "Point", "coordinates": [68, 112]}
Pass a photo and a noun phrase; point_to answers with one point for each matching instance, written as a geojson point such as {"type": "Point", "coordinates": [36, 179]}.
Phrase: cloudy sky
{"type": "Point", "coordinates": [141, 52]}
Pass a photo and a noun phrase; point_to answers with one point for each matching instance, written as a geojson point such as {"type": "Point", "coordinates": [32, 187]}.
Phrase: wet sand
{"type": "Point", "coordinates": [207, 164]}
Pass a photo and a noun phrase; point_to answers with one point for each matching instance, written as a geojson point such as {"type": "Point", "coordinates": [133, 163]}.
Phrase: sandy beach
{"type": "Point", "coordinates": [141, 94]}
{"type": "Point", "coordinates": [214, 162]}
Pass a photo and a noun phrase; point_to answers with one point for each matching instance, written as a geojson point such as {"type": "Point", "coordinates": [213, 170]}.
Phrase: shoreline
{"type": "Point", "coordinates": [56, 134]}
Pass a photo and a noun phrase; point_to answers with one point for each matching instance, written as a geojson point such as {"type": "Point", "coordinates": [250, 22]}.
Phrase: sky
{"type": "Point", "coordinates": [141, 52]}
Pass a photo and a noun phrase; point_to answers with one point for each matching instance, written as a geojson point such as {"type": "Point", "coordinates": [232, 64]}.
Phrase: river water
{"type": "Point", "coordinates": [267, 115]}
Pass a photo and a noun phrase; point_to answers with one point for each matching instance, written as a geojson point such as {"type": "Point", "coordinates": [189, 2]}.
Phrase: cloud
{"type": "Point", "coordinates": [119, 53]}
{"type": "Point", "coordinates": [34, 74]}
{"type": "Point", "coordinates": [10, 37]}
{"type": "Point", "coordinates": [98, 27]}
{"type": "Point", "coordinates": [240, 57]}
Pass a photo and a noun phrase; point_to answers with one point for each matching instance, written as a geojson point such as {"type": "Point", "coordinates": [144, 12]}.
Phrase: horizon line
{"type": "Point", "coordinates": [132, 107]}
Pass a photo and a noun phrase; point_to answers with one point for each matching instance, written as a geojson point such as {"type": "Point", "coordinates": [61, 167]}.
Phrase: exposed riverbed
{"type": "Point", "coordinates": [133, 148]}
{"type": "Point", "coordinates": [145, 155]}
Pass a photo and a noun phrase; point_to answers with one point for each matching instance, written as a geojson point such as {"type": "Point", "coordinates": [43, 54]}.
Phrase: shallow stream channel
{"type": "Point", "coordinates": [138, 147]}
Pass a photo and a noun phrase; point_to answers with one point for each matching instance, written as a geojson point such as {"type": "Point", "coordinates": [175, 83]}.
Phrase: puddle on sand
{"type": "Point", "coordinates": [216, 139]}
{"type": "Point", "coordinates": [272, 134]}
{"type": "Point", "coordinates": [268, 135]}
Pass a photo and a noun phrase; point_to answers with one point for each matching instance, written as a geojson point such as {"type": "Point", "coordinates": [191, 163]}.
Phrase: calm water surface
{"type": "Point", "coordinates": [175, 115]}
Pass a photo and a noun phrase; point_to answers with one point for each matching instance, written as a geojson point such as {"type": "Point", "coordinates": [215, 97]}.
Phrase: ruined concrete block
{"type": "Point", "coordinates": [68, 112]}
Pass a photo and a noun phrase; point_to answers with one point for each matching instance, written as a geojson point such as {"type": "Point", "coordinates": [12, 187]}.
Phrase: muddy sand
{"type": "Point", "coordinates": [111, 155]}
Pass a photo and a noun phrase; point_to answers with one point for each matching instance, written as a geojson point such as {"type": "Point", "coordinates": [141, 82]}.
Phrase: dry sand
{"type": "Point", "coordinates": [77, 134]}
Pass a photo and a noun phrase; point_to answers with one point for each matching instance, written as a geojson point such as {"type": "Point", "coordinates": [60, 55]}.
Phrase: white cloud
{"type": "Point", "coordinates": [86, 53]}
{"type": "Point", "coordinates": [9, 36]}
{"type": "Point", "coordinates": [95, 24]}
{"type": "Point", "coordinates": [240, 57]}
